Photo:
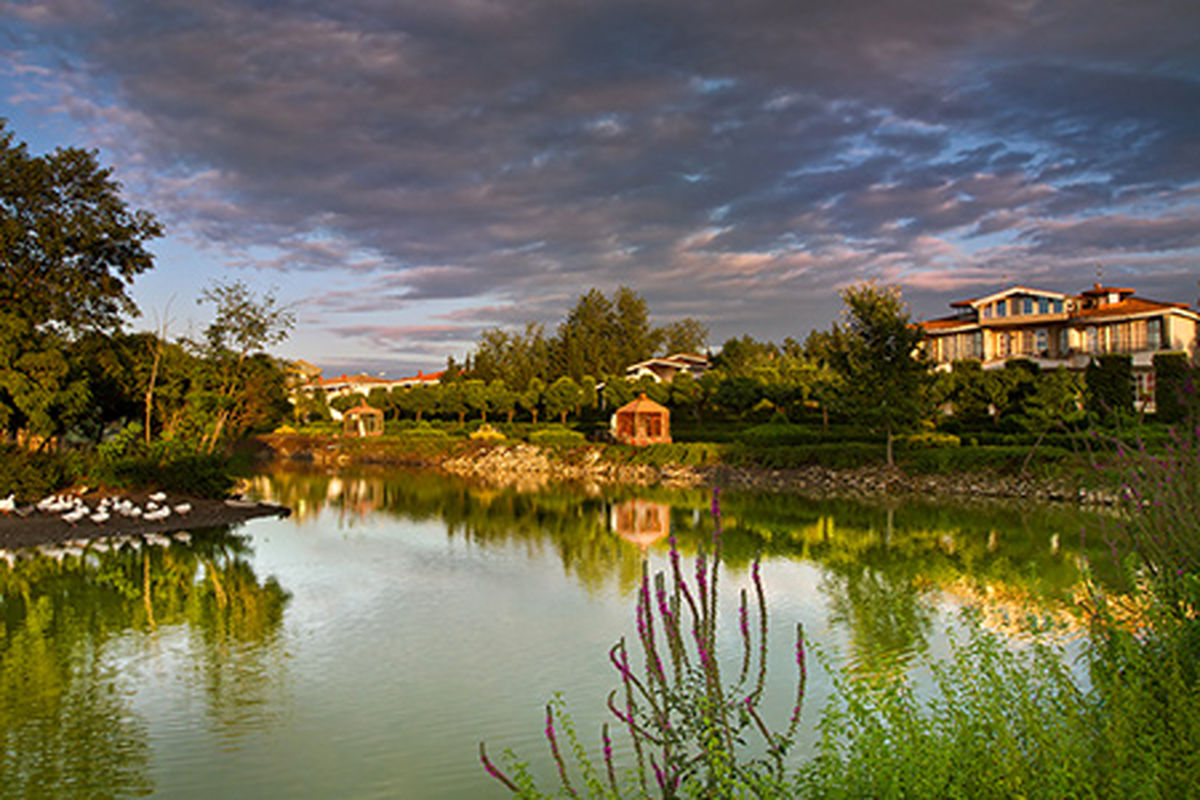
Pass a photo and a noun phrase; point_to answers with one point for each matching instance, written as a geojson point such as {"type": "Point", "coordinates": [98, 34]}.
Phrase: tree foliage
{"type": "Point", "coordinates": [69, 244]}
{"type": "Point", "coordinates": [877, 353]}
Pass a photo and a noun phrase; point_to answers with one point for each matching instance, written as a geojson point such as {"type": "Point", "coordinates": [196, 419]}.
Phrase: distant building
{"type": "Point", "coordinates": [664, 369]}
{"type": "Point", "coordinates": [1055, 329]}
{"type": "Point", "coordinates": [361, 384]}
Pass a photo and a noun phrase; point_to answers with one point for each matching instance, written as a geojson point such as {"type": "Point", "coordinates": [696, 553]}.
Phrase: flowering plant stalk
{"type": "Point", "coordinates": [689, 730]}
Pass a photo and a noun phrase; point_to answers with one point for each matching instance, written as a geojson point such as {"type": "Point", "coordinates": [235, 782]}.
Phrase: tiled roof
{"type": "Point", "coordinates": [1129, 305]}
{"type": "Point", "coordinates": [641, 405]}
{"type": "Point", "coordinates": [362, 409]}
{"type": "Point", "coordinates": [945, 322]}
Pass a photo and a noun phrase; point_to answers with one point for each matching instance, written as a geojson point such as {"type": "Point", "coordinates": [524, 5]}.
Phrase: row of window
{"type": "Point", "coordinates": [1022, 306]}
{"type": "Point", "coordinates": [1124, 337]}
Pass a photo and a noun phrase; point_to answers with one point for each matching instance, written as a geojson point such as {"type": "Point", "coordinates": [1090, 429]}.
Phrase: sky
{"type": "Point", "coordinates": [409, 173]}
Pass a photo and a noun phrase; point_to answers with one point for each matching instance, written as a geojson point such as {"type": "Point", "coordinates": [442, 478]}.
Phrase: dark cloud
{"type": "Point", "coordinates": [732, 161]}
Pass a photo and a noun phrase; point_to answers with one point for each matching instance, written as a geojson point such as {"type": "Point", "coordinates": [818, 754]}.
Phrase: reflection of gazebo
{"type": "Point", "coordinates": [641, 522]}
{"type": "Point", "coordinates": [362, 421]}
{"type": "Point", "coordinates": [642, 421]}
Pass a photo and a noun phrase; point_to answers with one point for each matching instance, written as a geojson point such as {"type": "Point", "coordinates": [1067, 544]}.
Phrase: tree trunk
{"type": "Point", "coordinates": [890, 461]}
{"type": "Point", "coordinates": [150, 387]}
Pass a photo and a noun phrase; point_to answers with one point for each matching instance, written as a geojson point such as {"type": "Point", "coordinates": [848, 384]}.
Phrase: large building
{"type": "Point", "coordinates": [1054, 329]}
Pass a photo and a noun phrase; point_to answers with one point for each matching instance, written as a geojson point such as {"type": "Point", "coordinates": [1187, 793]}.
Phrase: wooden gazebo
{"type": "Point", "coordinates": [642, 421]}
{"type": "Point", "coordinates": [362, 420]}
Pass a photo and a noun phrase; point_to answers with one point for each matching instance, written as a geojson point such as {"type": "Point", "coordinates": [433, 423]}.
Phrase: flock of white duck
{"type": "Point", "coordinates": [73, 509]}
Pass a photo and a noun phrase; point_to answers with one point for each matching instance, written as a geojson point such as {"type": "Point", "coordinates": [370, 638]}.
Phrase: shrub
{"type": "Point", "coordinates": [692, 454]}
{"type": "Point", "coordinates": [929, 439]}
{"type": "Point", "coordinates": [1172, 388]}
{"type": "Point", "coordinates": [31, 476]}
{"type": "Point", "coordinates": [1001, 458]}
{"type": "Point", "coordinates": [556, 436]}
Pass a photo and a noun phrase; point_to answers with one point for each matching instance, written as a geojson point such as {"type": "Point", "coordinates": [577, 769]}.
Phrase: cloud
{"type": "Point", "coordinates": [732, 162]}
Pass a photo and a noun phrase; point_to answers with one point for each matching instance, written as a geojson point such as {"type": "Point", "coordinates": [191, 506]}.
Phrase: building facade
{"type": "Point", "coordinates": [1055, 329]}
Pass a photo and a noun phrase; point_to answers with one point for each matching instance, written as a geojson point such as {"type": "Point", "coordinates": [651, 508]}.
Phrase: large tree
{"type": "Point", "coordinates": [69, 246]}
{"type": "Point", "coordinates": [238, 373]}
{"type": "Point", "coordinates": [876, 352]}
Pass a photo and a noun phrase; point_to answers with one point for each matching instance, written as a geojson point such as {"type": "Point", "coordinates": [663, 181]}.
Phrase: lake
{"type": "Point", "coordinates": [365, 646]}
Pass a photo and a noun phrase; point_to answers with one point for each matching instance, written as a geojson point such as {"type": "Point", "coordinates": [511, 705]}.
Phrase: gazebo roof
{"type": "Point", "coordinates": [363, 409]}
{"type": "Point", "coordinates": [643, 405]}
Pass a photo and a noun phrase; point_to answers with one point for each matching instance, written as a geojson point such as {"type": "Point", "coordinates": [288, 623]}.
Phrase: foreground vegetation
{"type": "Point", "coordinates": [1001, 719]}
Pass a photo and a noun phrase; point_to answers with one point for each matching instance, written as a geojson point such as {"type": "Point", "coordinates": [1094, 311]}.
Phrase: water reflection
{"type": "Point", "coordinates": [67, 726]}
{"type": "Point", "coordinates": [883, 565]}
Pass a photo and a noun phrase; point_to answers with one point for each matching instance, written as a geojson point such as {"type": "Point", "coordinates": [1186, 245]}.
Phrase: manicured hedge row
{"type": "Point", "coordinates": [691, 454]}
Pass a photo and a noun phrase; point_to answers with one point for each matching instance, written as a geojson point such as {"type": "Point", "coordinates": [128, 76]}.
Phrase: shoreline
{"type": "Point", "coordinates": [529, 465]}
{"type": "Point", "coordinates": [39, 528]}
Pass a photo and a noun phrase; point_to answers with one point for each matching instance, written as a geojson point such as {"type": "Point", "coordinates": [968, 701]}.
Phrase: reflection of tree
{"type": "Point", "coordinates": [886, 613]}
{"type": "Point", "coordinates": [65, 725]}
{"type": "Point", "coordinates": [930, 544]}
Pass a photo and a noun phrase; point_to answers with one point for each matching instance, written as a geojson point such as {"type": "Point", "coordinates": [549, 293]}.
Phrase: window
{"type": "Point", "coordinates": [977, 345]}
{"type": "Point", "coordinates": [1041, 341]}
{"type": "Point", "coordinates": [1064, 343]}
{"type": "Point", "coordinates": [1154, 334]}
{"type": "Point", "coordinates": [1058, 307]}
{"type": "Point", "coordinates": [1001, 308]}
{"type": "Point", "coordinates": [1043, 305]}
{"type": "Point", "coordinates": [1093, 341]}
{"type": "Point", "coordinates": [1028, 306]}
{"type": "Point", "coordinates": [987, 312]}
{"type": "Point", "coordinates": [1003, 345]}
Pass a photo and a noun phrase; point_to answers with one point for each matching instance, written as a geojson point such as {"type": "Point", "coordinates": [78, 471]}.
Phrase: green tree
{"type": "Point", "coordinates": [877, 354]}
{"type": "Point", "coordinates": [243, 325]}
{"type": "Point", "coordinates": [1173, 392]}
{"type": "Point", "coordinates": [562, 396]}
{"type": "Point", "coordinates": [345, 402]}
{"type": "Point", "coordinates": [531, 398]}
{"type": "Point", "coordinates": [501, 399]}
{"type": "Point", "coordinates": [475, 397]}
{"type": "Point", "coordinates": [737, 395]}
{"type": "Point", "coordinates": [687, 335]}
{"type": "Point", "coordinates": [1109, 381]}
{"type": "Point", "coordinates": [685, 394]}
{"type": "Point", "coordinates": [617, 392]}
{"type": "Point", "coordinates": [586, 340]}
{"type": "Point", "coordinates": [69, 245]}
{"type": "Point", "coordinates": [636, 340]}
{"type": "Point", "coordinates": [453, 400]}
{"type": "Point", "coordinates": [384, 400]}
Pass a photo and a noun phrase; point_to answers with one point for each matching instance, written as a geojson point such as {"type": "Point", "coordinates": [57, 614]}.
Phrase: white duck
{"type": "Point", "coordinates": [74, 516]}
{"type": "Point", "coordinates": [8, 504]}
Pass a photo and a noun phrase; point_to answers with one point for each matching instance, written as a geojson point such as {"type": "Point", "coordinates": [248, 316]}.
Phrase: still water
{"type": "Point", "coordinates": [365, 646]}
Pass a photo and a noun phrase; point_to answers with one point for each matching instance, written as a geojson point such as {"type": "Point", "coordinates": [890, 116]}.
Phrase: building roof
{"type": "Point", "coordinates": [1100, 291]}
{"type": "Point", "coordinates": [362, 409]}
{"type": "Point", "coordinates": [944, 323]}
{"type": "Point", "coordinates": [643, 405]}
{"type": "Point", "coordinates": [1128, 306]}
{"type": "Point", "coordinates": [989, 298]}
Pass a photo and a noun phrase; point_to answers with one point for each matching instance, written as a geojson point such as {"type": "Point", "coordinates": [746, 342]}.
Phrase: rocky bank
{"type": "Point", "coordinates": [530, 465]}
